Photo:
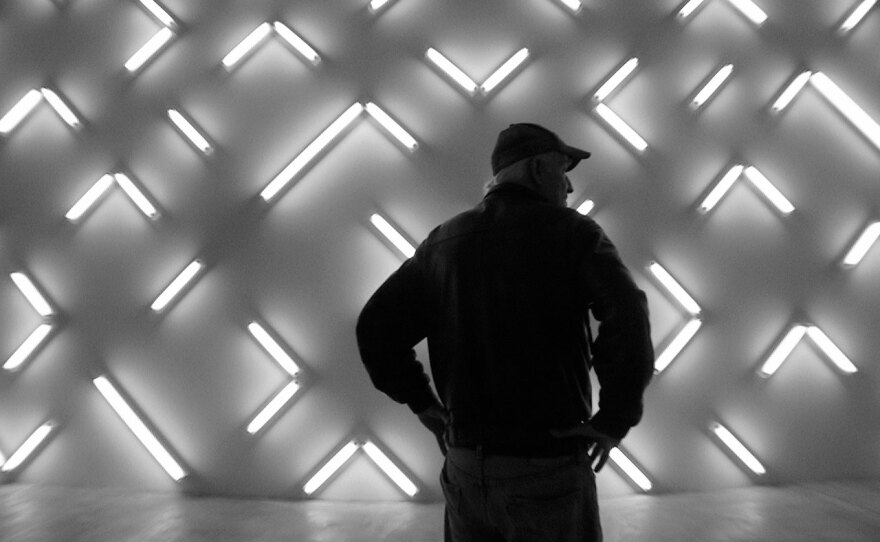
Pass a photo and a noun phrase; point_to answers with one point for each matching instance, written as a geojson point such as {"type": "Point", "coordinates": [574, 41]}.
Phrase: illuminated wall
{"type": "Point", "coordinates": [255, 154]}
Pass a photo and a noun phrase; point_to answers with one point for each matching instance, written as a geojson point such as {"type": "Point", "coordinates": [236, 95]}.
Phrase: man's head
{"type": "Point", "coordinates": [533, 156]}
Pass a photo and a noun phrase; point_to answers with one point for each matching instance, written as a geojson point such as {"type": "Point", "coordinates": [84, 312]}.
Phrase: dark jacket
{"type": "Point", "coordinates": [502, 293]}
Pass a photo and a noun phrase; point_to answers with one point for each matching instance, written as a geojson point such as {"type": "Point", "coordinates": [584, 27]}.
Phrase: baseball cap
{"type": "Point", "coordinates": [524, 139]}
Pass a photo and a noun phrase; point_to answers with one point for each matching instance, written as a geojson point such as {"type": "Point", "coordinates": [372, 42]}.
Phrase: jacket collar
{"type": "Point", "coordinates": [513, 190]}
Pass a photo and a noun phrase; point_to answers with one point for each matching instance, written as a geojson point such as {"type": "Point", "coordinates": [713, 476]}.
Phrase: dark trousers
{"type": "Point", "coordinates": [519, 499]}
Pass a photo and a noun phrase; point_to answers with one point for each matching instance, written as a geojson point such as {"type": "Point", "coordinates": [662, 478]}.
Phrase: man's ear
{"type": "Point", "coordinates": [535, 170]}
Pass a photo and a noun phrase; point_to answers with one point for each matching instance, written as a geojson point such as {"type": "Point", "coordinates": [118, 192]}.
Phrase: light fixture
{"type": "Point", "coordinates": [835, 355]}
{"type": "Point", "coordinates": [629, 468]}
{"type": "Point", "coordinates": [392, 235]}
{"type": "Point", "coordinates": [28, 447]}
{"type": "Point", "coordinates": [159, 13]}
{"type": "Point", "coordinates": [136, 196]}
{"type": "Point", "coordinates": [769, 190]}
{"type": "Point", "coordinates": [847, 107]}
{"type": "Point", "coordinates": [791, 91]}
{"type": "Point", "coordinates": [28, 347]}
{"type": "Point", "coordinates": [32, 294]}
{"type": "Point", "coordinates": [782, 350]}
{"type": "Point", "coordinates": [376, 5]}
{"type": "Point", "coordinates": [88, 199]}
{"type": "Point", "coordinates": [856, 16]}
{"type": "Point", "coordinates": [677, 345]}
{"type": "Point", "coordinates": [149, 49]}
{"type": "Point", "coordinates": [585, 207]}
{"type": "Point", "coordinates": [391, 126]}
{"type": "Point", "coordinates": [689, 8]}
{"type": "Point", "coordinates": [390, 469]}
{"type": "Point", "coordinates": [273, 407]}
{"type": "Point", "coordinates": [450, 69]}
{"type": "Point", "coordinates": [738, 448]}
{"type": "Point", "coordinates": [180, 282]}
{"type": "Point", "coordinates": [273, 348]}
{"type": "Point", "coordinates": [616, 79]}
{"type": "Point", "coordinates": [246, 45]}
{"type": "Point", "coordinates": [60, 106]}
{"type": "Point", "coordinates": [298, 44]}
{"type": "Point", "coordinates": [20, 110]}
{"type": "Point", "coordinates": [573, 5]}
{"type": "Point", "coordinates": [190, 131]}
{"type": "Point", "coordinates": [311, 151]}
{"type": "Point", "coordinates": [750, 10]}
{"type": "Point", "coordinates": [621, 127]}
{"type": "Point", "coordinates": [140, 430]}
{"type": "Point", "coordinates": [504, 71]}
{"type": "Point", "coordinates": [724, 185]}
{"type": "Point", "coordinates": [864, 243]}
{"type": "Point", "coordinates": [329, 469]}
{"type": "Point", "coordinates": [712, 86]}
{"type": "Point", "coordinates": [674, 288]}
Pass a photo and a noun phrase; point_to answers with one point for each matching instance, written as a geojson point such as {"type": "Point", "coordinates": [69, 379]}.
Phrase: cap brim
{"type": "Point", "coordinates": [576, 156]}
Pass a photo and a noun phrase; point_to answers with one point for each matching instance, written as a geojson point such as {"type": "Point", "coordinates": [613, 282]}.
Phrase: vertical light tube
{"type": "Point", "coordinates": [791, 91]}
{"type": "Point", "coordinates": [28, 347]}
{"type": "Point", "coordinates": [28, 447]}
{"type": "Point", "coordinates": [503, 72]}
{"type": "Point", "coordinates": [392, 126]}
{"type": "Point", "coordinates": [297, 43]}
{"type": "Point", "coordinates": [451, 70]}
{"type": "Point", "coordinates": [88, 199]}
{"type": "Point", "coordinates": [723, 186]}
{"type": "Point", "coordinates": [750, 10]}
{"type": "Point", "coordinates": [831, 350]}
{"type": "Point", "coordinates": [134, 423]}
{"type": "Point", "coordinates": [149, 49]}
{"type": "Point", "coordinates": [311, 151]}
{"type": "Point", "coordinates": [273, 348]}
{"type": "Point", "coordinates": [677, 345]}
{"type": "Point", "coordinates": [617, 79]}
{"type": "Point", "coordinates": [32, 294]}
{"type": "Point", "coordinates": [60, 106]}
{"type": "Point", "coordinates": [630, 469]}
{"type": "Point", "coordinates": [192, 134]}
{"type": "Point", "coordinates": [247, 45]}
{"type": "Point", "coordinates": [856, 16]}
{"type": "Point", "coordinates": [329, 468]}
{"type": "Point", "coordinates": [272, 408]}
{"type": "Point", "coordinates": [621, 127]}
{"type": "Point", "coordinates": [179, 283]}
{"type": "Point", "coordinates": [390, 469]}
{"type": "Point", "coordinates": [864, 243]}
{"type": "Point", "coordinates": [769, 190]}
{"type": "Point", "coordinates": [847, 107]}
{"type": "Point", "coordinates": [783, 350]}
{"type": "Point", "coordinates": [137, 197]}
{"type": "Point", "coordinates": [738, 448]}
{"type": "Point", "coordinates": [674, 288]}
{"type": "Point", "coordinates": [20, 110]}
{"type": "Point", "coordinates": [392, 235]}
{"type": "Point", "coordinates": [711, 87]}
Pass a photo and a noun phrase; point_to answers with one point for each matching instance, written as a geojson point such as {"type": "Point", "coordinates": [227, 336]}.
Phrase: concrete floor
{"type": "Point", "coordinates": [841, 511]}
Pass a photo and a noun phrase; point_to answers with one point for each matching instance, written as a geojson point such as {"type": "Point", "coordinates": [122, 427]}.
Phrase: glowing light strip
{"type": "Point", "coordinates": [28, 447]}
{"type": "Point", "coordinates": [20, 110]}
{"type": "Point", "coordinates": [738, 449]}
{"type": "Point", "coordinates": [783, 350]}
{"type": "Point", "coordinates": [621, 127]}
{"type": "Point", "coordinates": [689, 8]}
{"type": "Point", "coordinates": [831, 350]}
{"type": "Point", "coordinates": [138, 197]}
{"type": "Point", "coordinates": [149, 49]}
{"type": "Point", "coordinates": [394, 237]}
{"type": "Point", "coordinates": [630, 469]}
{"type": "Point", "coordinates": [150, 442]}
{"type": "Point", "coordinates": [710, 88]}
{"type": "Point", "coordinates": [191, 132]}
{"type": "Point", "coordinates": [451, 70]}
{"type": "Point", "coordinates": [585, 207]}
{"type": "Point", "coordinates": [158, 12]}
{"type": "Point", "coordinates": [504, 71]}
{"type": "Point", "coordinates": [61, 107]}
{"type": "Point", "coordinates": [750, 10]}
{"type": "Point", "coordinates": [271, 409]}
{"type": "Point", "coordinates": [790, 92]}
{"type": "Point", "coordinates": [311, 151]}
{"type": "Point", "coordinates": [247, 45]}
{"type": "Point", "coordinates": [864, 243]}
{"type": "Point", "coordinates": [677, 345]}
{"type": "Point", "coordinates": [32, 294]}
{"type": "Point", "coordinates": [856, 16]}
{"type": "Point", "coordinates": [390, 469]}
{"type": "Point", "coordinates": [273, 348]}
{"type": "Point", "coordinates": [330, 468]}
{"type": "Point", "coordinates": [297, 43]}
{"type": "Point", "coordinates": [573, 5]}
{"type": "Point", "coordinates": [674, 288]}
{"type": "Point", "coordinates": [847, 107]}
{"type": "Point", "coordinates": [391, 125]}
{"type": "Point", "coordinates": [616, 79]}
{"type": "Point", "coordinates": [770, 192]}
{"type": "Point", "coordinates": [28, 347]}
{"type": "Point", "coordinates": [179, 283]}
{"type": "Point", "coordinates": [376, 5]}
{"type": "Point", "coordinates": [88, 199]}
{"type": "Point", "coordinates": [720, 189]}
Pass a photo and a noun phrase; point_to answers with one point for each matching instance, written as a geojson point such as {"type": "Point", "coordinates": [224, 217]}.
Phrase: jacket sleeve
{"type": "Point", "coordinates": [623, 355]}
{"type": "Point", "coordinates": [390, 325]}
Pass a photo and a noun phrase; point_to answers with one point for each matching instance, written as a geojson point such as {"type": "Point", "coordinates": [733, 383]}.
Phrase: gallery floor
{"type": "Point", "coordinates": [829, 511]}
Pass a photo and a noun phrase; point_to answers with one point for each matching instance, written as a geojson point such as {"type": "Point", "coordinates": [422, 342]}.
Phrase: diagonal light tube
{"type": "Point", "coordinates": [677, 345]}
{"type": "Point", "coordinates": [394, 237]}
{"type": "Point", "coordinates": [688, 9]}
{"type": "Point", "coordinates": [390, 469]}
{"type": "Point", "coordinates": [149, 49]}
{"type": "Point", "coordinates": [856, 16]}
{"type": "Point", "coordinates": [720, 189]}
{"type": "Point", "coordinates": [247, 45]}
{"type": "Point", "coordinates": [451, 70]}
{"type": "Point", "coordinates": [297, 43]}
{"type": "Point", "coordinates": [769, 190]}
{"type": "Point", "coordinates": [273, 348]}
{"type": "Point", "coordinates": [712, 86]}
{"type": "Point", "coordinates": [61, 107]}
{"type": "Point", "coordinates": [27, 448]}
{"type": "Point", "coordinates": [847, 107]}
{"type": "Point", "coordinates": [20, 110]}
{"type": "Point", "coordinates": [791, 91]}
{"type": "Point", "coordinates": [28, 347]}
{"type": "Point", "coordinates": [630, 469]}
{"type": "Point", "coordinates": [392, 126]}
{"type": "Point", "coordinates": [190, 131]}
{"type": "Point", "coordinates": [138, 197]}
{"type": "Point", "coordinates": [334, 464]}
{"type": "Point", "coordinates": [674, 288]}
{"type": "Point", "coordinates": [738, 448]}
{"type": "Point", "coordinates": [179, 283]}
{"type": "Point", "coordinates": [32, 294]}
{"type": "Point", "coordinates": [750, 10]}
{"type": "Point", "coordinates": [621, 127]}
{"type": "Point", "coordinates": [831, 350]}
{"type": "Point", "coordinates": [573, 5]}
{"type": "Point", "coordinates": [503, 72]}
{"type": "Point", "coordinates": [616, 79]}
{"type": "Point", "coordinates": [782, 350]}
{"type": "Point", "coordinates": [864, 243]}
{"type": "Point", "coordinates": [158, 12]}
{"type": "Point", "coordinates": [273, 407]}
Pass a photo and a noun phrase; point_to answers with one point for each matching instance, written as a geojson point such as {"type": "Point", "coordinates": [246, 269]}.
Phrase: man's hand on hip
{"type": "Point", "coordinates": [601, 444]}
{"type": "Point", "coordinates": [435, 418]}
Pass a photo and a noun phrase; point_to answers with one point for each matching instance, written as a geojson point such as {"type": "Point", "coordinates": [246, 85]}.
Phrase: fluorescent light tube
{"type": "Point", "coordinates": [847, 107]}
{"type": "Point", "coordinates": [688, 9]}
{"type": "Point", "coordinates": [585, 207]}
{"type": "Point", "coordinates": [28, 347]}
{"type": "Point", "coordinates": [573, 5]}
{"type": "Point", "coordinates": [179, 283]}
{"type": "Point", "coordinates": [621, 127]}
{"type": "Point", "coordinates": [750, 10]}
{"type": "Point", "coordinates": [856, 16]}
{"type": "Point", "coordinates": [330, 468]}
{"type": "Point", "coordinates": [60, 107]}
{"type": "Point", "coordinates": [677, 345]}
{"type": "Point", "coordinates": [710, 88]}
{"type": "Point", "coordinates": [158, 12]}
{"type": "Point", "coordinates": [616, 79]}
{"type": "Point", "coordinates": [630, 469]}
{"type": "Point", "coordinates": [720, 189]}
{"type": "Point", "coordinates": [20, 110]}
{"type": "Point", "coordinates": [769, 190]}
{"type": "Point", "coordinates": [860, 248]}
{"type": "Point", "coordinates": [149, 49]}
{"type": "Point", "coordinates": [674, 288]}
{"type": "Point", "coordinates": [783, 350]}
{"type": "Point", "coordinates": [392, 235]}
{"type": "Point", "coordinates": [791, 91]}
{"type": "Point", "coordinates": [136, 196]}
{"type": "Point", "coordinates": [247, 45]}
{"type": "Point", "coordinates": [451, 70]}
{"type": "Point", "coordinates": [28, 447]}
{"type": "Point", "coordinates": [271, 409]}
{"type": "Point", "coordinates": [738, 448]}
{"type": "Point", "coordinates": [88, 199]}
{"type": "Point", "coordinates": [192, 134]}
{"type": "Point", "coordinates": [273, 348]}
{"type": "Point", "coordinates": [297, 43]}
{"type": "Point", "coordinates": [390, 469]}
{"type": "Point", "coordinates": [32, 294]}
{"type": "Point", "coordinates": [392, 126]}
{"type": "Point", "coordinates": [831, 350]}
{"type": "Point", "coordinates": [504, 71]}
